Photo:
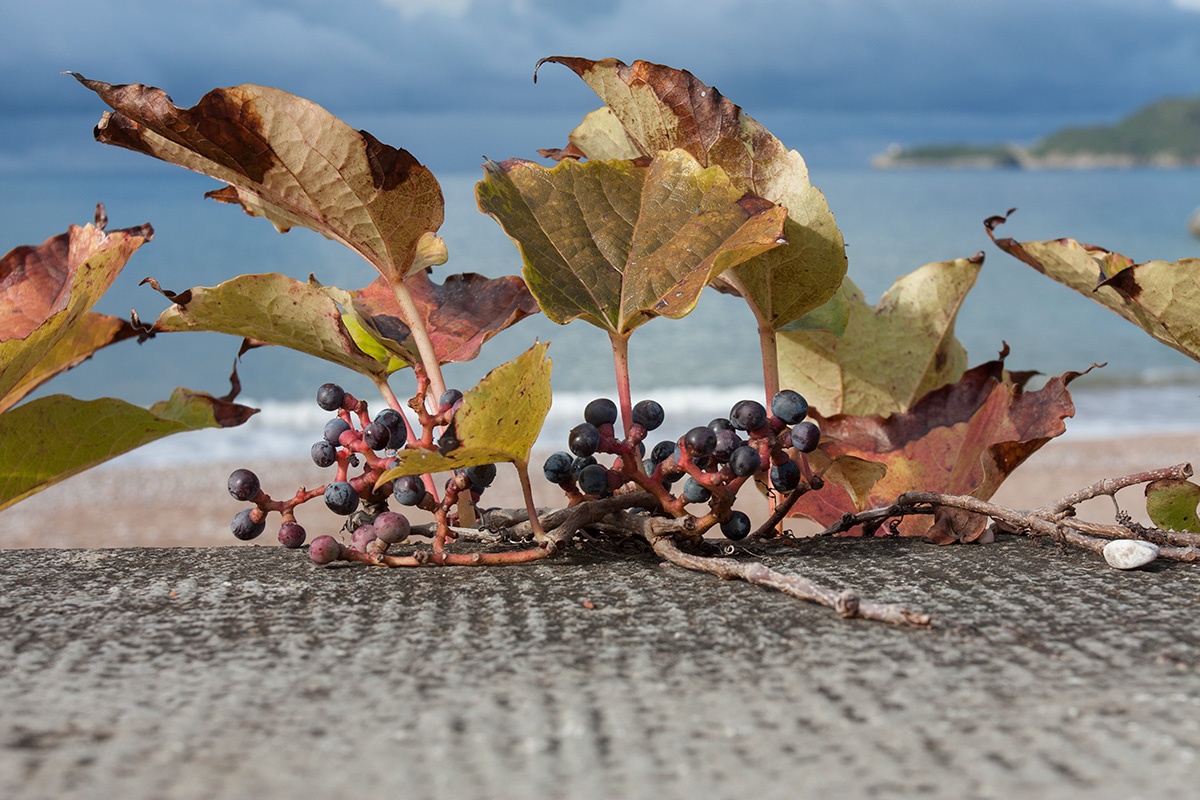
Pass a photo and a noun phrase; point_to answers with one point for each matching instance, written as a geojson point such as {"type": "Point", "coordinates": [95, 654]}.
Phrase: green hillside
{"type": "Point", "coordinates": [1166, 133]}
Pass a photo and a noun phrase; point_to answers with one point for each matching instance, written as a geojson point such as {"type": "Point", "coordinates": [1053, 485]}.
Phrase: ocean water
{"type": "Point", "coordinates": [893, 222]}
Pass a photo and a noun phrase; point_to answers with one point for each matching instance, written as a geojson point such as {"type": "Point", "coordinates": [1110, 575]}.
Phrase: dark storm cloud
{"type": "Point", "coordinates": [460, 60]}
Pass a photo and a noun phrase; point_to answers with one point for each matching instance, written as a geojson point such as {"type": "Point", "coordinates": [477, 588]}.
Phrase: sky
{"type": "Point", "coordinates": [451, 80]}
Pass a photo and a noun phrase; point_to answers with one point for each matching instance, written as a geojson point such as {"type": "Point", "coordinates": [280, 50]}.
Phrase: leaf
{"type": "Point", "coordinates": [45, 294]}
{"type": "Point", "coordinates": [889, 355]}
{"type": "Point", "coordinates": [1171, 504]}
{"type": "Point", "coordinates": [499, 419]}
{"type": "Point", "coordinates": [460, 314]}
{"type": "Point", "coordinates": [600, 137]}
{"type": "Point", "coordinates": [76, 345]}
{"type": "Point", "coordinates": [271, 309]}
{"type": "Point", "coordinates": [52, 438]}
{"type": "Point", "coordinates": [1161, 298]}
{"type": "Point", "coordinates": [662, 108]}
{"type": "Point", "coordinates": [964, 438]}
{"type": "Point", "coordinates": [857, 476]}
{"type": "Point", "coordinates": [617, 243]}
{"type": "Point", "coordinates": [288, 160]}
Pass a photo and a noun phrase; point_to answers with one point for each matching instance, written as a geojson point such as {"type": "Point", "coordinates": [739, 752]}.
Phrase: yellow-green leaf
{"type": "Point", "coordinates": [890, 354]}
{"type": "Point", "coordinates": [52, 438]}
{"type": "Point", "coordinates": [1171, 504]}
{"type": "Point", "coordinates": [617, 243]}
{"type": "Point", "coordinates": [499, 419]}
{"type": "Point", "coordinates": [273, 309]}
{"type": "Point", "coordinates": [1144, 294]}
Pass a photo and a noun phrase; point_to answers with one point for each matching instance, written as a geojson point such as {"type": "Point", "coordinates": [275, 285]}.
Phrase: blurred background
{"type": "Point", "coordinates": [451, 81]}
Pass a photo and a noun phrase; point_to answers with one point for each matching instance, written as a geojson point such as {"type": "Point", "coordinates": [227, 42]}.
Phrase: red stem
{"type": "Point", "coordinates": [620, 348]}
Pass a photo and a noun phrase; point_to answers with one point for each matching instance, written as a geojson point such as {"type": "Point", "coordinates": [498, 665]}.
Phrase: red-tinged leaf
{"type": "Point", "coordinates": [964, 438]}
{"type": "Point", "coordinates": [52, 438]}
{"type": "Point", "coordinates": [288, 160]}
{"type": "Point", "coordinates": [45, 294]}
{"type": "Point", "coordinates": [662, 108]}
{"type": "Point", "coordinates": [461, 314]}
{"type": "Point", "coordinates": [78, 343]}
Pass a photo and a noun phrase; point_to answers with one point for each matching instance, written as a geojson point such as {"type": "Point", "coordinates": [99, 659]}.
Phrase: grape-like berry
{"type": "Point", "coordinates": [409, 490]}
{"type": "Point", "coordinates": [481, 476]}
{"type": "Point", "coordinates": [244, 527]}
{"type": "Point", "coordinates": [324, 549]}
{"type": "Point", "coordinates": [720, 424]}
{"type": "Point", "coordinates": [334, 430]}
{"type": "Point", "coordinates": [662, 451]}
{"type": "Point", "coordinates": [805, 437]}
{"type": "Point", "coordinates": [363, 535]}
{"type": "Point", "coordinates": [789, 406]}
{"type": "Point", "coordinates": [291, 534]}
{"type": "Point", "coordinates": [557, 468]}
{"type": "Point", "coordinates": [745, 461]}
{"type": "Point", "coordinates": [391, 527]}
{"type": "Point", "coordinates": [330, 396]}
{"type": "Point", "coordinates": [449, 398]}
{"type": "Point", "coordinates": [377, 436]}
{"type": "Point", "coordinates": [243, 484]}
{"type": "Point", "coordinates": [786, 476]}
{"type": "Point", "coordinates": [323, 454]}
{"type": "Point", "coordinates": [748, 415]}
{"type": "Point", "coordinates": [578, 464]}
{"type": "Point", "coordinates": [584, 439]}
{"type": "Point", "coordinates": [391, 419]}
{"type": "Point", "coordinates": [593, 479]}
{"type": "Point", "coordinates": [727, 442]}
{"type": "Point", "coordinates": [341, 498]}
{"type": "Point", "coordinates": [699, 441]}
{"type": "Point", "coordinates": [649, 414]}
{"type": "Point", "coordinates": [600, 411]}
{"type": "Point", "coordinates": [695, 492]}
{"type": "Point", "coordinates": [737, 526]}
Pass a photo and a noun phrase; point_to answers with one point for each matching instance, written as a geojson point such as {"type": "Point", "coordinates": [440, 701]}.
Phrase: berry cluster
{"type": "Point", "coordinates": [714, 460]}
{"type": "Point", "coordinates": [350, 440]}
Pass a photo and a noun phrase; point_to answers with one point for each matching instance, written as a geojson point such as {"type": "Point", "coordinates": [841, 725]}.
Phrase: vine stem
{"type": "Point", "coordinates": [620, 348]}
{"type": "Point", "coordinates": [420, 335]}
{"type": "Point", "coordinates": [767, 345]}
{"type": "Point", "coordinates": [527, 490]}
{"type": "Point", "coordinates": [846, 603]}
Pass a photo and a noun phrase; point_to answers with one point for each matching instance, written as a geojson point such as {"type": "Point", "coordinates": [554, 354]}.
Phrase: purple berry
{"type": "Point", "coordinates": [324, 549]}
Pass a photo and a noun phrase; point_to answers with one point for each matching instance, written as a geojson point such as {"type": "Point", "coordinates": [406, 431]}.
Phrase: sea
{"type": "Point", "coordinates": [892, 221]}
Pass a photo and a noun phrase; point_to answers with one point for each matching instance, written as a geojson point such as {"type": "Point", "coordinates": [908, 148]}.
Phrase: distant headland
{"type": "Point", "coordinates": [1165, 134]}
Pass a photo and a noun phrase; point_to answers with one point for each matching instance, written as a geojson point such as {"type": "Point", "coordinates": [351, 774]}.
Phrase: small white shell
{"type": "Point", "coordinates": [1129, 553]}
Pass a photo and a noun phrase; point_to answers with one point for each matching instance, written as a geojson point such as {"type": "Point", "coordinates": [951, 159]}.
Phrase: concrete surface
{"type": "Point", "coordinates": [248, 672]}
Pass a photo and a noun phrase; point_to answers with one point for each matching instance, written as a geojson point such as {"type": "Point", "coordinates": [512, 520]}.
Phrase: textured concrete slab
{"type": "Point", "coordinates": [248, 672]}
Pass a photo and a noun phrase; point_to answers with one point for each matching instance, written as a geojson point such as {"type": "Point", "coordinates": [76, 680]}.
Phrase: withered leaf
{"type": "Point", "coordinates": [662, 108]}
{"type": "Point", "coordinates": [964, 438]}
{"type": "Point", "coordinates": [1162, 298]}
{"type": "Point", "coordinates": [45, 294]}
{"type": "Point", "coordinates": [286, 159]}
{"type": "Point", "coordinates": [460, 314]}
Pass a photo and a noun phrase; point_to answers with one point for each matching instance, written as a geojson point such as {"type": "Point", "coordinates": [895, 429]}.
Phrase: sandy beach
{"type": "Point", "coordinates": [188, 505]}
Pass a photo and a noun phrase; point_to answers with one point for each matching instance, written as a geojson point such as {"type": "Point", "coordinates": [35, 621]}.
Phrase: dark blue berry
{"type": "Point", "coordinates": [600, 411]}
{"type": "Point", "coordinates": [649, 414]}
{"type": "Point", "coordinates": [789, 406]}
